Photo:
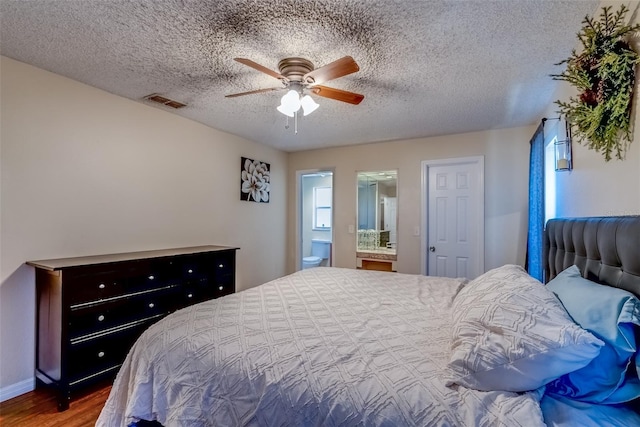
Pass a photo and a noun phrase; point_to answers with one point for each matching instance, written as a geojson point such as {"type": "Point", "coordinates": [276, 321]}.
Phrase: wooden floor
{"type": "Point", "coordinates": [39, 409]}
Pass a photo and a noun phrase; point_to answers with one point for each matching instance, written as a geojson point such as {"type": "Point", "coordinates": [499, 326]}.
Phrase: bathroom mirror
{"type": "Point", "coordinates": [377, 211]}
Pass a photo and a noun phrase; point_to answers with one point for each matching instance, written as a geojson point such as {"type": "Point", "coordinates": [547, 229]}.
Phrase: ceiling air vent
{"type": "Point", "coordinates": [154, 97]}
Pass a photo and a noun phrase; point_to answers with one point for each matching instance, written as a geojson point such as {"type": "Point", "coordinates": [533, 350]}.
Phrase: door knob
{"type": "Point", "coordinates": [432, 248]}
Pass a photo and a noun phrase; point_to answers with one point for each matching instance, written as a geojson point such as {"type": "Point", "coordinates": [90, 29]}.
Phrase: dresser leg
{"type": "Point", "coordinates": [64, 396]}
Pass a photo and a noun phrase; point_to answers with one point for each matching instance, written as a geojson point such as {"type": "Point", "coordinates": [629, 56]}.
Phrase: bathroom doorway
{"type": "Point", "coordinates": [315, 218]}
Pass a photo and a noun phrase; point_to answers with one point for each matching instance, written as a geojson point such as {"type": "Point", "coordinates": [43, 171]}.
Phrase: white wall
{"type": "Point", "coordinates": [86, 172]}
{"type": "Point", "coordinates": [506, 155]}
{"type": "Point", "coordinates": [595, 187]}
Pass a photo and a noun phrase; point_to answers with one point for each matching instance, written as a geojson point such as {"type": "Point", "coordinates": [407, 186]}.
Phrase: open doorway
{"type": "Point", "coordinates": [315, 219]}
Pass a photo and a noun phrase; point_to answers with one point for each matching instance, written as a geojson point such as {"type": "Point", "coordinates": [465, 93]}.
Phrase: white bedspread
{"type": "Point", "coordinates": [324, 346]}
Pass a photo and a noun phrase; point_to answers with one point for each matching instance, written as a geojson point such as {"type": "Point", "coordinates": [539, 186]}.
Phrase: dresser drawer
{"type": "Point", "coordinates": [95, 283]}
{"type": "Point", "coordinates": [224, 286]}
{"type": "Point", "coordinates": [92, 356]}
{"type": "Point", "coordinates": [91, 284]}
{"type": "Point", "coordinates": [195, 270]}
{"type": "Point", "coordinates": [93, 318]}
{"type": "Point", "coordinates": [206, 266]}
{"type": "Point", "coordinates": [224, 266]}
{"type": "Point", "coordinates": [216, 283]}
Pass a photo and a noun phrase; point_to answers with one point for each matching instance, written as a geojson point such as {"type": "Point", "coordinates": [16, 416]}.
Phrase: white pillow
{"type": "Point", "coordinates": [511, 333]}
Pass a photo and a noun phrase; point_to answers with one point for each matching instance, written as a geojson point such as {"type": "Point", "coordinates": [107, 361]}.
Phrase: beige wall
{"type": "Point", "coordinates": [596, 187]}
{"type": "Point", "coordinates": [86, 172]}
{"type": "Point", "coordinates": [506, 154]}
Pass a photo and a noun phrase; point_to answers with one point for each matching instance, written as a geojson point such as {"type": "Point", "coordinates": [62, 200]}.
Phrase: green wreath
{"type": "Point", "coordinates": [604, 74]}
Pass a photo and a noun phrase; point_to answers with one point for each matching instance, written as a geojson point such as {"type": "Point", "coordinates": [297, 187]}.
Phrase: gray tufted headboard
{"type": "Point", "coordinates": [606, 249]}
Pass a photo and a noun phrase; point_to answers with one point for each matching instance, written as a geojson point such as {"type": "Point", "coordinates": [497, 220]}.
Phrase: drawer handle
{"type": "Point", "coordinates": [101, 354]}
{"type": "Point", "coordinates": [220, 265]}
{"type": "Point", "coordinates": [101, 318]}
{"type": "Point", "coordinates": [220, 288]}
{"type": "Point", "coordinates": [101, 286]}
{"type": "Point", "coordinates": [189, 295]}
{"type": "Point", "coordinates": [151, 305]}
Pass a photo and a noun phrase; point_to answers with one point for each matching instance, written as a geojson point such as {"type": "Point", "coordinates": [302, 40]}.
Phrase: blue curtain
{"type": "Point", "coordinates": [534, 263]}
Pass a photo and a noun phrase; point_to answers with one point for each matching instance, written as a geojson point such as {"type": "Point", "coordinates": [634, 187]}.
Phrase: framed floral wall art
{"type": "Point", "coordinates": [255, 182]}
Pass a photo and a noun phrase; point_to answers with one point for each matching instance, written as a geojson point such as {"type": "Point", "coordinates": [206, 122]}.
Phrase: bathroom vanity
{"type": "Point", "coordinates": [380, 260]}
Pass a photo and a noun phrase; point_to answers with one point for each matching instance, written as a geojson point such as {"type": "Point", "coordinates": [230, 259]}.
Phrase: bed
{"type": "Point", "coordinates": [343, 347]}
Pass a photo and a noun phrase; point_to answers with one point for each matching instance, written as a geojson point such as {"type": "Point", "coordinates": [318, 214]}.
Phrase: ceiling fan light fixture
{"type": "Point", "coordinates": [308, 105]}
{"type": "Point", "coordinates": [299, 75]}
{"type": "Point", "coordinates": [292, 100]}
{"type": "Point", "coordinates": [289, 103]}
{"type": "Point", "coordinates": [284, 111]}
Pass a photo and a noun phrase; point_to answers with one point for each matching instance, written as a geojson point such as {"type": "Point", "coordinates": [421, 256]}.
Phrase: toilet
{"type": "Point", "coordinates": [320, 250]}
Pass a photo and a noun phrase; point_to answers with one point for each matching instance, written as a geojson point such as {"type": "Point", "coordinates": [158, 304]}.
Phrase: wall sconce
{"type": "Point", "coordinates": [562, 150]}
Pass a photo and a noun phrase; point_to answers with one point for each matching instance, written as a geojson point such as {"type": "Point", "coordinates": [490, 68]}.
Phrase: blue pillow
{"type": "Point", "coordinates": [564, 412]}
{"type": "Point", "coordinates": [610, 314]}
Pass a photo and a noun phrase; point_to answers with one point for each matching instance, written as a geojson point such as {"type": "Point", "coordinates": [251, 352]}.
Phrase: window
{"type": "Point", "coordinates": [550, 180]}
{"type": "Point", "coordinates": [555, 129]}
{"type": "Point", "coordinates": [322, 208]}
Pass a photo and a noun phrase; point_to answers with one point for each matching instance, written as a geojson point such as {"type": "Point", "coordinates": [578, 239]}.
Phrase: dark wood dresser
{"type": "Point", "coordinates": [90, 310]}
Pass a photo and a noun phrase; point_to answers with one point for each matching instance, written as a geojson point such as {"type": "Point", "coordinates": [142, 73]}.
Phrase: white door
{"type": "Point", "coordinates": [455, 217]}
{"type": "Point", "coordinates": [390, 214]}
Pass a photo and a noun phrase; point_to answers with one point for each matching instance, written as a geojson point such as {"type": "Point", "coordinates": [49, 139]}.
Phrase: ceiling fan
{"type": "Point", "coordinates": [300, 77]}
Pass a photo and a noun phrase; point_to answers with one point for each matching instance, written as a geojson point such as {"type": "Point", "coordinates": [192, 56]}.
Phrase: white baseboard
{"type": "Point", "coordinates": [17, 389]}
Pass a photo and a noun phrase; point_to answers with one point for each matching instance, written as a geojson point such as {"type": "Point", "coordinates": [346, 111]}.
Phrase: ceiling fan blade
{"type": "Point", "coordinates": [338, 94]}
{"type": "Point", "coordinates": [339, 68]}
{"type": "Point", "coordinates": [261, 68]}
{"type": "Point", "coordinates": [233, 95]}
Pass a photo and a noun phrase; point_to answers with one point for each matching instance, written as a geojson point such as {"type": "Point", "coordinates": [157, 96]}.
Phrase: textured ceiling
{"type": "Point", "coordinates": [427, 67]}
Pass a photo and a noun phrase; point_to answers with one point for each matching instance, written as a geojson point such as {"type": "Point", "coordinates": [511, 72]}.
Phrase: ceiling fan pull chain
{"type": "Point", "coordinates": [286, 124]}
{"type": "Point", "coordinates": [295, 121]}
